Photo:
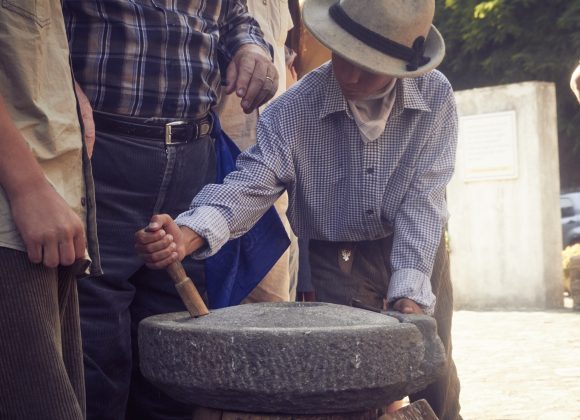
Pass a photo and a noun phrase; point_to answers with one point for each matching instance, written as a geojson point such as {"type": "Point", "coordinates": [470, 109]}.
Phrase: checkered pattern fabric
{"type": "Point", "coordinates": [156, 58]}
{"type": "Point", "coordinates": [340, 187]}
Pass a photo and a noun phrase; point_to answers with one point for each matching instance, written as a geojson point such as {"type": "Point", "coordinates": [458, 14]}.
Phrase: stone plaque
{"type": "Point", "coordinates": [489, 143]}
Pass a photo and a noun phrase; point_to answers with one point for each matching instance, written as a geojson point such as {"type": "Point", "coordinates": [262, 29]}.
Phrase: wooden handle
{"type": "Point", "coordinates": [187, 291]}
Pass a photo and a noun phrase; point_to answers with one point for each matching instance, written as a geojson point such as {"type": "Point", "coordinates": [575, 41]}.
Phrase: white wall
{"type": "Point", "coordinates": [504, 233]}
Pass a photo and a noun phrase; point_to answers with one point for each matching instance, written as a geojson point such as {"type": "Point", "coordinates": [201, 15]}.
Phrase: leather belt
{"type": "Point", "coordinates": [162, 129]}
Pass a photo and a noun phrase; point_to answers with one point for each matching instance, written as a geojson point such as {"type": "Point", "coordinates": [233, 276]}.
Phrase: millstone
{"type": "Point", "coordinates": [296, 358]}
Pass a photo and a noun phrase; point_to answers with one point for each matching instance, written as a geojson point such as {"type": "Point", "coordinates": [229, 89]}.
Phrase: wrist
{"type": "Point", "coordinates": [191, 240]}
{"type": "Point", "coordinates": [254, 48]}
{"type": "Point", "coordinates": [22, 185]}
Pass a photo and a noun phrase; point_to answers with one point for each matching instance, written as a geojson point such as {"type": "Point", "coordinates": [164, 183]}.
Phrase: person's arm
{"type": "Point", "coordinates": [420, 220]}
{"type": "Point", "coordinates": [221, 212]}
{"type": "Point", "coordinates": [52, 233]}
{"type": "Point", "coordinates": [250, 72]}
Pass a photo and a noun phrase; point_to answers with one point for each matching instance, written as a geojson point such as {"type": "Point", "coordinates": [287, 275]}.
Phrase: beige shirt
{"type": "Point", "coordinates": [37, 85]}
{"type": "Point", "coordinates": [274, 19]}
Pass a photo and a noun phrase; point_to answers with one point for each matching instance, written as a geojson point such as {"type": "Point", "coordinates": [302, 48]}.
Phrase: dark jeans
{"type": "Point", "coordinates": [368, 282]}
{"type": "Point", "coordinates": [134, 179]}
{"type": "Point", "coordinates": [41, 366]}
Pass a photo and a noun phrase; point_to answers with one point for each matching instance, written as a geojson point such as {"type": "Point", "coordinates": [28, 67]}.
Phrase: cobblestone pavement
{"type": "Point", "coordinates": [518, 365]}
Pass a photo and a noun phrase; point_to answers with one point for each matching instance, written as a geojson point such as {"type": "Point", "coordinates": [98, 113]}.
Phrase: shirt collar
{"type": "Point", "coordinates": [408, 96]}
{"type": "Point", "coordinates": [334, 100]}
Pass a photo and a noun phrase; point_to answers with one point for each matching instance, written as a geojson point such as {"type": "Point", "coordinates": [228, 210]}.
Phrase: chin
{"type": "Point", "coordinates": [353, 96]}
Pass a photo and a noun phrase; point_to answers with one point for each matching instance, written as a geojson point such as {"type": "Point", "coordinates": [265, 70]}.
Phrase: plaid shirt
{"type": "Point", "coordinates": [155, 58]}
{"type": "Point", "coordinates": [341, 187]}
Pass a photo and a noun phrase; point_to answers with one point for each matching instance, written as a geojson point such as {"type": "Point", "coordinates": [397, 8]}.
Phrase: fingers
{"type": "Point", "coordinates": [80, 246]}
{"type": "Point", "coordinates": [158, 221]}
{"type": "Point", "coordinates": [245, 69]}
{"type": "Point", "coordinates": [253, 77]}
{"type": "Point", "coordinates": [161, 257]}
{"type": "Point", "coordinates": [62, 248]}
{"type": "Point", "coordinates": [50, 257]}
{"type": "Point", "coordinates": [66, 252]}
{"type": "Point", "coordinates": [158, 265]}
{"type": "Point", "coordinates": [157, 249]}
{"type": "Point", "coordinates": [407, 306]}
{"type": "Point", "coordinates": [267, 91]}
{"type": "Point", "coordinates": [34, 251]}
{"type": "Point", "coordinates": [263, 85]}
{"type": "Point", "coordinates": [231, 77]}
{"type": "Point", "coordinates": [148, 242]}
{"type": "Point", "coordinates": [155, 245]}
{"type": "Point", "coordinates": [258, 87]}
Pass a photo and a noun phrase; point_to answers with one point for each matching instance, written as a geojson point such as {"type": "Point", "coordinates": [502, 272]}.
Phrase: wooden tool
{"type": "Point", "coordinates": [187, 291]}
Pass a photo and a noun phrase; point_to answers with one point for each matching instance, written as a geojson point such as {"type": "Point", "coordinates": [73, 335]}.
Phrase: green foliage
{"type": "Point", "coordinates": [509, 41]}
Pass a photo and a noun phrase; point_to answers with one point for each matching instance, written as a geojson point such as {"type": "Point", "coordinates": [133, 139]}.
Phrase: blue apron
{"type": "Point", "coordinates": [236, 269]}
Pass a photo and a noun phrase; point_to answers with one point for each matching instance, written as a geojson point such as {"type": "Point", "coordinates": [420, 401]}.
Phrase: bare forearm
{"type": "Point", "coordinates": [20, 173]}
{"type": "Point", "coordinates": [52, 233]}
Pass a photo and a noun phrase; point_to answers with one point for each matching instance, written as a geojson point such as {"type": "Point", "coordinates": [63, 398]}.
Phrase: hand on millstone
{"type": "Point", "coordinates": [407, 306]}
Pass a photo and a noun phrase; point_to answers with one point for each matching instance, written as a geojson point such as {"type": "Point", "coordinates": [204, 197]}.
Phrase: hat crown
{"type": "Point", "coordinates": [402, 21]}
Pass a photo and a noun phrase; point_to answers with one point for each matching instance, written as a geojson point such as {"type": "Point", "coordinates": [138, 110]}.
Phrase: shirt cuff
{"type": "Point", "coordinates": [208, 223]}
{"type": "Point", "coordinates": [412, 284]}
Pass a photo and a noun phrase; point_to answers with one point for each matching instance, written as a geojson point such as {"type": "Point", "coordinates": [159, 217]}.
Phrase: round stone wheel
{"type": "Point", "coordinates": [297, 358]}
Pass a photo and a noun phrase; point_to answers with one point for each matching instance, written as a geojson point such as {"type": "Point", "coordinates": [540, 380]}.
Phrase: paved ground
{"type": "Point", "coordinates": [518, 365]}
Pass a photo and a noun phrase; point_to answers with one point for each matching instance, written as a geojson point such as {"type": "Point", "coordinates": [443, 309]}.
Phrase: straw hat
{"type": "Point", "coordinates": [392, 37]}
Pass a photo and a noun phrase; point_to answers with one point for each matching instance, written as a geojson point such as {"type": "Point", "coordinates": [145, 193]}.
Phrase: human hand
{"type": "Point", "coordinates": [575, 83]}
{"type": "Point", "coordinates": [52, 232]}
{"type": "Point", "coordinates": [87, 116]}
{"type": "Point", "coordinates": [253, 76]}
{"type": "Point", "coordinates": [163, 242]}
{"type": "Point", "coordinates": [291, 73]}
{"type": "Point", "coordinates": [291, 77]}
{"type": "Point", "coordinates": [407, 306]}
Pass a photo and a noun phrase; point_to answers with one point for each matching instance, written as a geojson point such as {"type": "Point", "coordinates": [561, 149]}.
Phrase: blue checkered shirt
{"type": "Point", "coordinates": [158, 58]}
{"type": "Point", "coordinates": [342, 187]}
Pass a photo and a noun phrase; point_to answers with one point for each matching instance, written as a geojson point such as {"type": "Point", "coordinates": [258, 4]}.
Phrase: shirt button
{"type": "Point", "coordinates": [265, 1]}
{"type": "Point", "coordinates": [370, 171]}
{"type": "Point", "coordinates": [83, 201]}
{"type": "Point", "coordinates": [370, 212]}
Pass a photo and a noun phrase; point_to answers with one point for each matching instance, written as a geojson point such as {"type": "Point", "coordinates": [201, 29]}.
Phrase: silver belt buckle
{"type": "Point", "coordinates": [168, 127]}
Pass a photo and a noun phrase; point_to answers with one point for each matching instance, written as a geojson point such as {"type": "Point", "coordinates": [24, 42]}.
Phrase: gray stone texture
{"type": "Point", "coordinates": [297, 358]}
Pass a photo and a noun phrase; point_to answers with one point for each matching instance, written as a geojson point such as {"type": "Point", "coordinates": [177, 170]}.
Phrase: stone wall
{"type": "Point", "coordinates": [504, 230]}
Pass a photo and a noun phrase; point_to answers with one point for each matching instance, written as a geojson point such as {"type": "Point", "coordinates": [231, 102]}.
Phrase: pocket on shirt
{"type": "Point", "coordinates": [37, 11]}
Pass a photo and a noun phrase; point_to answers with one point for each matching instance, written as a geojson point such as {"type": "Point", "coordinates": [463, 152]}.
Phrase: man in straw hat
{"type": "Point", "coordinates": [365, 147]}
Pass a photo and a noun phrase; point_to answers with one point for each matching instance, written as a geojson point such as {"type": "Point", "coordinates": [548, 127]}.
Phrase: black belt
{"type": "Point", "coordinates": [163, 129]}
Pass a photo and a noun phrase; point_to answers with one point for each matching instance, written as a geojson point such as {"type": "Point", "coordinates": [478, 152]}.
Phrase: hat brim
{"type": "Point", "coordinates": [318, 21]}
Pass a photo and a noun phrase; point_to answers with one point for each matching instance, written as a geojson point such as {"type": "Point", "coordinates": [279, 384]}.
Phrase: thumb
{"type": "Point", "coordinates": [158, 221]}
{"type": "Point", "coordinates": [231, 77]}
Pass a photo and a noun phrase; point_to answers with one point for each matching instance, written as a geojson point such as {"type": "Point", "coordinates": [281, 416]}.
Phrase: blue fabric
{"type": "Point", "coordinates": [236, 269]}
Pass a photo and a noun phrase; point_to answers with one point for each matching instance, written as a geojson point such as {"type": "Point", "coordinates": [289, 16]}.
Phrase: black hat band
{"type": "Point", "coordinates": [413, 56]}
